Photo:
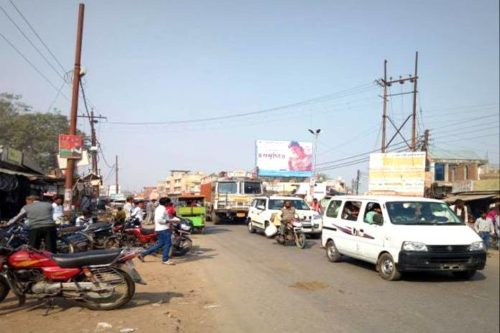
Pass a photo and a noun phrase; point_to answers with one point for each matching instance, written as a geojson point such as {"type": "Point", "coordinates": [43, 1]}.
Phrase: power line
{"type": "Point", "coordinates": [37, 35]}
{"type": "Point", "coordinates": [31, 43]}
{"type": "Point", "coordinates": [31, 64]}
{"type": "Point", "coordinates": [340, 94]}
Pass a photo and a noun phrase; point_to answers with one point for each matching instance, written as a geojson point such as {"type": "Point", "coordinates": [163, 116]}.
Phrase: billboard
{"type": "Point", "coordinates": [397, 174]}
{"type": "Point", "coordinates": [284, 158]}
{"type": "Point", "coordinates": [70, 146]}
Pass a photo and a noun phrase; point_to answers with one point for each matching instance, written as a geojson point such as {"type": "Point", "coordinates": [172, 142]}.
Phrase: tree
{"type": "Point", "coordinates": [34, 133]}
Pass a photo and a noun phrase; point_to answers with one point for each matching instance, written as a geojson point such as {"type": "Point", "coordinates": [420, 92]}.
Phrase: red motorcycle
{"type": "Point", "coordinates": [131, 234]}
{"type": "Point", "coordinates": [100, 279]}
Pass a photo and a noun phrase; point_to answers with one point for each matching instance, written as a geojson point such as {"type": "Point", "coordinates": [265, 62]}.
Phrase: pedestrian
{"type": "Point", "coordinates": [137, 215]}
{"type": "Point", "coordinates": [84, 219]}
{"type": "Point", "coordinates": [484, 227]}
{"type": "Point", "coordinates": [150, 211]}
{"type": "Point", "coordinates": [57, 209]}
{"type": "Point", "coordinates": [163, 229]}
{"type": "Point", "coordinates": [315, 206]}
{"type": "Point", "coordinates": [120, 215]}
{"type": "Point", "coordinates": [128, 207]}
{"type": "Point", "coordinates": [41, 223]}
{"type": "Point", "coordinates": [460, 209]}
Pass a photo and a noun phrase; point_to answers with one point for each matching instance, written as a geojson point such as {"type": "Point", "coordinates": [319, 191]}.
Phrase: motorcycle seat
{"type": "Point", "coordinates": [80, 259]}
{"type": "Point", "coordinates": [147, 231]}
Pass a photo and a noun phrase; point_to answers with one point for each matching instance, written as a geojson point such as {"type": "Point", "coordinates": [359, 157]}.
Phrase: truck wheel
{"type": "Point", "coordinates": [215, 219]}
{"type": "Point", "coordinates": [387, 268]}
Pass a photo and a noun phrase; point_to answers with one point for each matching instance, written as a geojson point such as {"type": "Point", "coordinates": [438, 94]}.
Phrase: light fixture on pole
{"type": "Point", "coordinates": [316, 134]}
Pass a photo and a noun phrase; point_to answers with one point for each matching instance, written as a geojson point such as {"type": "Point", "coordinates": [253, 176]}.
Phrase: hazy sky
{"type": "Point", "coordinates": [163, 61]}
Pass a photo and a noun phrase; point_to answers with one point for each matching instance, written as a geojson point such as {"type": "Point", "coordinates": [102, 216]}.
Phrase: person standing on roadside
{"type": "Point", "coordinates": [460, 210]}
{"type": "Point", "coordinates": [57, 210]}
{"type": "Point", "coordinates": [163, 229]}
{"type": "Point", "coordinates": [484, 227]}
{"type": "Point", "coordinates": [150, 210]}
{"type": "Point", "coordinates": [128, 207]}
{"type": "Point", "coordinates": [41, 223]}
{"type": "Point", "coordinates": [315, 206]}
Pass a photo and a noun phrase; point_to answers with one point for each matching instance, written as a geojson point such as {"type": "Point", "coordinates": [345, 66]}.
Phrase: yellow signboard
{"type": "Point", "coordinates": [397, 174]}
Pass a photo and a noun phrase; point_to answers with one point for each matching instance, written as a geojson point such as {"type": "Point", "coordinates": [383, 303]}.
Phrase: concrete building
{"type": "Point", "coordinates": [183, 182]}
{"type": "Point", "coordinates": [454, 171]}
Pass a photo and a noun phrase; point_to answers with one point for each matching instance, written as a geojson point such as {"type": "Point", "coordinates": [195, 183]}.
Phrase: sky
{"type": "Point", "coordinates": [293, 65]}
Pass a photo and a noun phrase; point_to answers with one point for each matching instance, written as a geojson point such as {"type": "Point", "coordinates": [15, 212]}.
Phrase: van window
{"type": "Point", "coordinates": [333, 208]}
{"type": "Point", "coordinates": [421, 213]}
{"type": "Point", "coordinates": [351, 210]}
{"type": "Point", "coordinates": [372, 209]}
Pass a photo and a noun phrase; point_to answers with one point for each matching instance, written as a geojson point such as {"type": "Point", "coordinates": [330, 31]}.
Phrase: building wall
{"type": "Point", "coordinates": [183, 182]}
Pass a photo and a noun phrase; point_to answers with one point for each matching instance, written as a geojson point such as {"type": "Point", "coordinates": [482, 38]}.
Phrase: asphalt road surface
{"type": "Point", "coordinates": [260, 286]}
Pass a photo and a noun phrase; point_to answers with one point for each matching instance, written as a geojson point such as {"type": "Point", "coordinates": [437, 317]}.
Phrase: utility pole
{"type": "Point", "coordinates": [93, 139]}
{"type": "Point", "coordinates": [116, 175]}
{"type": "Point", "coordinates": [414, 115]}
{"type": "Point", "coordinates": [70, 168]}
{"type": "Point", "coordinates": [316, 134]}
{"type": "Point", "coordinates": [384, 83]}
{"type": "Point", "coordinates": [358, 176]}
{"type": "Point", "coordinates": [384, 114]}
{"type": "Point", "coordinates": [426, 141]}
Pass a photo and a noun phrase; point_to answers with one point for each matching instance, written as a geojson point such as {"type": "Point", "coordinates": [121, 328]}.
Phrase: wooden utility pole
{"type": "Point", "coordinates": [116, 175]}
{"type": "Point", "coordinates": [414, 115]}
{"type": "Point", "coordinates": [70, 168]}
{"type": "Point", "coordinates": [426, 141]}
{"type": "Point", "coordinates": [384, 114]}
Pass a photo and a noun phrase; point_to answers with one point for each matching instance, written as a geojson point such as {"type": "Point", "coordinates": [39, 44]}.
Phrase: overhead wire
{"type": "Point", "coordinates": [37, 35]}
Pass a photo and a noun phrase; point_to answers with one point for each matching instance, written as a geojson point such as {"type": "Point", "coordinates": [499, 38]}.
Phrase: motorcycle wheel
{"type": "Point", "coordinates": [280, 239]}
{"type": "Point", "coordinates": [112, 243]}
{"type": "Point", "coordinates": [183, 248]}
{"type": "Point", "coordinates": [300, 240]}
{"type": "Point", "coordinates": [123, 291]}
{"type": "Point", "coordinates": [4, 288]}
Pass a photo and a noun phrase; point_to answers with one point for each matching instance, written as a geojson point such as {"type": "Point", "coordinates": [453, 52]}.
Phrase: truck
{"type": "Point", "coordinates": [228, 199]}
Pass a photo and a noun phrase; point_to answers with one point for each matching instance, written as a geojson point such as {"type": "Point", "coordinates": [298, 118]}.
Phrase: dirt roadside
{"type": "Point", "coordinates": [176, 299]}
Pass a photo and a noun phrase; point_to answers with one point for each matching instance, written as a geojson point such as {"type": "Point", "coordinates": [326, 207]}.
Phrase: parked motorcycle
{"type": "Point", "coordinates": [293, 232]}
{"type": "Point", "coordinates": [131, 234]}
{"type": "Point", "coordinates": [100, 280]}
{"type": "Point", "coordinates": [181, 242]}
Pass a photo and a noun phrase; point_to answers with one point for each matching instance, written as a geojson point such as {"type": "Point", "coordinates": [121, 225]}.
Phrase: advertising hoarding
{"type": "Point", "coordinates": [70, 146]}
{"type": "Point", "coordinates": [284, 158]}
{"type": "Point", "coordinates": [397, 174]}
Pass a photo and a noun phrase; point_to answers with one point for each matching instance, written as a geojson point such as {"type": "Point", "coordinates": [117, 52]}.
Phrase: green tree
{"type": "Point", "coordinates": [34, 133]}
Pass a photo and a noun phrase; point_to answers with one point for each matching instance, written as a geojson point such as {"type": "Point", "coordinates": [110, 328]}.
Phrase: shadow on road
{"type": "Point", "coordinates": [145, 298]}
{"type": "Point", "coordinates": [215, 230]}
{"type": "Point", "coordinates": [196, 253]}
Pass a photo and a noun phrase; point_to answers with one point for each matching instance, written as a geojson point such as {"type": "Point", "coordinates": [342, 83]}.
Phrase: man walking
{"type": "Point", "coordinates": [162, 228]}
{"type": "Point", "coordinates": [42, 225]}
{"type": "Point", "coordinates": [484, 227]}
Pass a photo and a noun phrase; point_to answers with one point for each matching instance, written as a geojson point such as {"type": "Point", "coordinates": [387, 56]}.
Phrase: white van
{"type": "Point", "coordinates": [401, 234]}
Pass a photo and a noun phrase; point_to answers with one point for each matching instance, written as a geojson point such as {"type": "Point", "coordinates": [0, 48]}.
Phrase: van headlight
{"type": "Point", "coordinates": [477, 246]}
{"type": "Point", "coordinates": [414, 246]}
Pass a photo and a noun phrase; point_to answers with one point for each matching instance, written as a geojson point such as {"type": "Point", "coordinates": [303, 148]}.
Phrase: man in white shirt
{"type": "Point", "coordinates": [138, 212]}
{"type": "Point", "coordinates": [162, 228]}
{"type": "Point", "coordinates": [484, 227]}
{"type": "Point", "coordinates": [57, 210]}
{"type": "Point", "coordinates": [128, 207]}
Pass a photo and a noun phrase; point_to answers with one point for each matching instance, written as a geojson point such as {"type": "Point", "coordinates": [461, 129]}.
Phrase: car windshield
{"type": "Point", "coordinates": [279, 203]}
{"type": "Point", "coordinates": [228, 187]}
{"type": "Point", "coordinates": [252, 188]}
{"type": "Point", "coordinates": [421, 213]}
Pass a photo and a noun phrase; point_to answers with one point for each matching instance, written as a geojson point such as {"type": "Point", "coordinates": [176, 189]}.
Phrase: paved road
{"type": "Point", "coordinates": [259, 286]}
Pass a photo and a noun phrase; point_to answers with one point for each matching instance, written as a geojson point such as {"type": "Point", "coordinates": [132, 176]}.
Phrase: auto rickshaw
{"type": "Point", "coordinates": [192, 207]}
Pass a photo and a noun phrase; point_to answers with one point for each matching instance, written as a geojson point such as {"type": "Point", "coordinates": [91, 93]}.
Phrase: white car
{"type": "Point", "coordinates": [401, 234]}
{"type": "Point", "coordinates": [264, 209]}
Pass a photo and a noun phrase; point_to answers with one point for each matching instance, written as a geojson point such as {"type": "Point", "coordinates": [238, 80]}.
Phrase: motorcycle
{"type": "Point", "coordinates": [181, 242]}
{"type": "Point", "coordinates": [100, 279]}
{"type": "Point", "coordinates": [131, 234]}
{"type": "Point", "coordinates": [293, 232]}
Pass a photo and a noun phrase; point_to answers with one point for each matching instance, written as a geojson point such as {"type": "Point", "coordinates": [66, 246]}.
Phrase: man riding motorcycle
{"type": "Point", "coordinates": [288, 215]}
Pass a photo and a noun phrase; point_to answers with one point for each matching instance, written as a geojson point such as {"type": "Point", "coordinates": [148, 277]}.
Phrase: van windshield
{"type": "Point", "coordinates": [421, 213]}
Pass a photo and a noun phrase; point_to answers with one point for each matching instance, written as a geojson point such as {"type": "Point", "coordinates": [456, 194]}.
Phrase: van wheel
{"type": "Point", "coordinates": [251, 229]}
{"type": "Point", "coordinates": [332, 253]}
{"type": "Point", "coordinates": [387, 268]}
{"type": "Point", "coordinates": [215, 219]}
{"type": "Point", "coordinates": [464, 274]}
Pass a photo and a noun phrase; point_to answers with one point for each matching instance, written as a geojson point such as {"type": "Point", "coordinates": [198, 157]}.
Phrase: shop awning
{"type": "Point", "coordinates": [466, 198]}
{"type": "Point", "coordinates": [19, 173]}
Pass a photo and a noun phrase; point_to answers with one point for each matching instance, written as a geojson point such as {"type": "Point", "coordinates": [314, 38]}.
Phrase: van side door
{"type": "Point", "coordinates": [371, 233]}
{"type": "Point", "coordinates": [347, 225]}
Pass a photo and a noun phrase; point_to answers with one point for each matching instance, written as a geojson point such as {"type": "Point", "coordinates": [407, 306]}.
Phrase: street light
{"type": "Point", "coordinates": [316, 134]}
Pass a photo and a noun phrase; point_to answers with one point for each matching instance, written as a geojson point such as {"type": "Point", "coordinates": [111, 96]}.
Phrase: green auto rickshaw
{"type": "Point", "coordinates": [193, 208]}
